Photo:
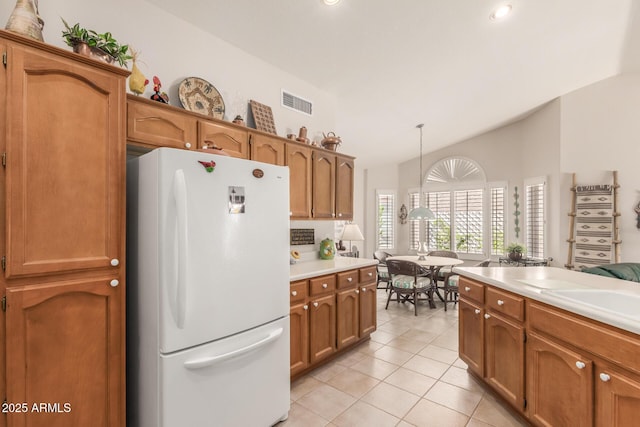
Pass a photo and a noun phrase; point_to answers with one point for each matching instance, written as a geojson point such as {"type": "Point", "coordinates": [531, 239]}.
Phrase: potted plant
{"type": "Point", "coordinates": [90, 43]}
{"type": "Point", "coordinates": [515, 251]}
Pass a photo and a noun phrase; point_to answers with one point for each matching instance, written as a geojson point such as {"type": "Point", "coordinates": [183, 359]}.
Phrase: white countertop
{"type": "Point", "coordinates": [538, 283]}
{"type": "Point", "coordinates": [306, 269]}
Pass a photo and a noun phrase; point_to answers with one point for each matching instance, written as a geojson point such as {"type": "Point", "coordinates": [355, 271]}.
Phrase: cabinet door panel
{"type": "Point", "coordinates": [66, 346]}
{"type": "Point", "coordinates": [299, 330]}
{"type": "Point", "coordinates": [267, 150]}
{"type": "Point", "coordinates": [368, 309]}
{"type": "Point", "coordinates": [299, 162]}
{"type": "Point", "coordinates": [504, 358]}
{"type": "Point", "coordinates": [65, 183]}
{"type": "Point", "coordinates": [324, 166]}
{"type": "Point", "coordinates": [159, 126]}
{"type": "Point", "coordinates": [471, 333]}
{"type": "Point", "coordinates": [235, 142]}
{"type": "Point", "coordinates": [559, 384]}
{"type": "Point", "coordinates": [322, 328]}
{"type": "Point", "coordinates": [348, 316]}
{"type": "Point", "coordinates": [344, 188]}
{"type": "Point", "coordinates": [617, 398]}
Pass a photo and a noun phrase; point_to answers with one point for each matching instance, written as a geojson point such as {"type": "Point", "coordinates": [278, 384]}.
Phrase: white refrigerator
{"type": "Point", "coordinates": [207, 300]}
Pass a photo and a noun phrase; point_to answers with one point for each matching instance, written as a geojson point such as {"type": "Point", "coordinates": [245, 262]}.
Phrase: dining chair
{"type": "Point", "coordinates": [381, 269]}
{"type": "Point", "coordinates": [408, 282]}
{"type": "Point", "coordinates": [450, 284]}
{"type": "Point", "coordinates": [442, 272]}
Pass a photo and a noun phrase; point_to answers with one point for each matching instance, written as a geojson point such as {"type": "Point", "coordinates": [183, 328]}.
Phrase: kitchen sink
{"type": "Point", "coordinates": [621, 303]}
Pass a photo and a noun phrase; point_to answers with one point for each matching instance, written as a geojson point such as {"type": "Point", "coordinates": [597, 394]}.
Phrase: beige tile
{"type": "Point", "coordinates": [326, 372]}
{"type": "Point", "coordinates": [436, 325]}
{"type": "Point", "coordinates": [475, 423]}
{"type": "Point", "coordinates": [493, 413]}
{"type": "Point", "coordinates": [299, 416]}
{"type": "Point", "coordinates": [429, 414]}
{"type": "Point", "coordinates": [326, 401]}
{"type": "Point", "coordinates": [460, 364]}
{"type": "Point", "coordinates": [410, 381]}
{"type": "Point", "coordinates": [368, 347]}
{"type": "Point", "coordinates": [391, 399]}
{"type": "Point", "coordinates": [421, 336]}
{"type": "Point", "coordinates": [375, 368]}
{"type": "Point", "coordinates": [405, 344]}
{"type": "Point", "coordinates": [448, 341]}
{"type": "Point", "coordinates": [403, 423]}
{"type": "Point", "coordinates": [392, 355]}
{"type": "Point", "coordinates": [350, 358]}
{"type": "Point", "coordinates": [354, 383]}
{"type": "Point", "coordinates": [461, 378]}
{"type": "Point", "coordinates": [425, 366]}
{"type": "Point", "coordinates": [303, 385]}
{"type": "Point", "coordinates": [394, 327]}
{"type": "Point", "coordinates": [440, 354]}
{"type": "Point", "coordinates": [454, 397]}
{"type": "Point", "coordinates": [382, 337]}
{"type": "Point", "coordinates": [362, 414]}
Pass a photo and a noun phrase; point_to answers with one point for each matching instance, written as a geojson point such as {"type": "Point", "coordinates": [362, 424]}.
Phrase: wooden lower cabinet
{"type": "Point", "coordinates": [368, 309]}
{"type": "Point", "coordinates": [66, 349]}
{"type": "Point", "coordinates": [322, 328]}
{"type": "Point", "coordinates": [559, 384]}
{"type": "Point", "coordinates": [617, 397]}
{"type": "Point", "coordinates": [348, 316]}
{"type": "Point", "coordinates": [299, 330]}
{"type": "Point", "coordinates": [471, 336]}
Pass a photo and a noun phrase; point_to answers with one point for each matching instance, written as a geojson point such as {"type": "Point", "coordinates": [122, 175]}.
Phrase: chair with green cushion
{"type": "Point", "coordinates": [408, 282]}
{"type": "Point", "coordinates": [381, 268]}
{"type": "Point", "coordinates": [450, 284]}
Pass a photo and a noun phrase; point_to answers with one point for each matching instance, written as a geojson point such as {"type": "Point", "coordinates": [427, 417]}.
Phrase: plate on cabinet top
{"type": "Point", "coordinates": [200, 96]}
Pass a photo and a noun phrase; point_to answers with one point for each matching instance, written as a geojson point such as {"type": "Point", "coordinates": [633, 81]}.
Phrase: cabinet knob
{"type": "Point", "coordinates": [339, 215]}
{"type": "Point", "coordinates": [350, 279]}
{"type": "Point", "coordinates": [324, 285]}
{"type": "Point", "coordinates": [357, 291]}
{"type": "Point", "coordinates": [467, 289]}
{"type": "Point", "coordinates": [187, 145]}
{"type": "Point", "coordinates": [604, 377]}
{"type": "Point", "coordinates": [486, 316]}
{"type": "Point", "coordinates": [364, 289]}
{"type": "Point", "coordinates": [114, 283]}
{"type": "Point", "coordinates": [476, 311]}
{"type": "Point", "coordinates": [500, 302]}
{"type": "Point", "coordinates": [115, 262]}
{"type": "Point", "coordinates": [315, 304]}
{"type": "Point", "coordinates": [370, 274]}
{"type": "Point", "coordinates": [294, 293]}
{"type": "Point", "coordinates": [580, 365]}
{"type": "Point", "coordinates": [306, 307]}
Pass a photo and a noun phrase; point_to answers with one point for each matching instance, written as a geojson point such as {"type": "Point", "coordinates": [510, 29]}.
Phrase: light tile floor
{"type": "Point", "coordinates": [408, 374]}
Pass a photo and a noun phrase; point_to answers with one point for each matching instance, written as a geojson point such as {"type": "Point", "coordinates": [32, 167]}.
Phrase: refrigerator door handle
{"type": "Point", "coordinates": [211, 360]}
{"type": "Point", "coordinates": [180, 196]}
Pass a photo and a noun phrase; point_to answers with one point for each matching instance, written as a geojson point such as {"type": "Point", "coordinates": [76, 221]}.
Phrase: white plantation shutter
{"type": "Point", "coordinates": [414, 225]}
{"type": "Point", "coordinates": [386, 221]}
{"type": "Point", "coordinates": [468, 221]}
{"type": "Point", "coordinates": [439, 229]}
{"type": "Point", "coordinates": [497, 221]}
{"type": "Point", "coordinates": [535, 218]}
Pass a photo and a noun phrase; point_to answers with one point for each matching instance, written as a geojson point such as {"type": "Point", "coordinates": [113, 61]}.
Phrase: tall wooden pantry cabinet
{"type": "Point", "coordinates": [62, 330]}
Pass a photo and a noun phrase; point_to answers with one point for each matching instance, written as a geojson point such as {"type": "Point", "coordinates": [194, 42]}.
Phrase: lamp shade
{"type": "Point", "coordinates": [352, 232]}
{"type": "Point", "coordinates": [421, 213]}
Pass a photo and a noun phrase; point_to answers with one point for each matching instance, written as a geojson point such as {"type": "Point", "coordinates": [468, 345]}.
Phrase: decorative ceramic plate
{"type": "Point", "coordinates": [202, 97]}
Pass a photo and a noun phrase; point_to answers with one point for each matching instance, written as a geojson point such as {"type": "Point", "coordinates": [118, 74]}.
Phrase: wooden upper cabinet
{"type": "Point", "coordinates": [267, 149]}
{"type": "Point", "coordinates": [67, 346]}
{"type": "Point", "coordinates": [298, 158]}
{"type": "Point", "coordinates": [234, 141]}
{"type": "Point", "coordinates": [65, 164]}
{"type": "Point", "coordinates": [344, 188]}
{"type": "Point", "coordinates": [159, 125]}
{"type": "Point", "coordinates": [324, 170]}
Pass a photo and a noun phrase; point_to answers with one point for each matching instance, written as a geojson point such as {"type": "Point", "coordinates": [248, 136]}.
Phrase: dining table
{"type": "Point", "coordinates": [431, 264]}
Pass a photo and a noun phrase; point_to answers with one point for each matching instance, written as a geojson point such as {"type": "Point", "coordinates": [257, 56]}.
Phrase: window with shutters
{"type": "Point", "coordinates": [414, 225]}
{"type": "Point", "coordinates": [535, 217]}
{"type": "Point", "coordinates": [468, 221]}
{"type": "Point", "coordinates": [439, 229]}
{"type": "Point", "coordinates": [497, 220]}
{"type": "Point", "coordinates": [386, 220]}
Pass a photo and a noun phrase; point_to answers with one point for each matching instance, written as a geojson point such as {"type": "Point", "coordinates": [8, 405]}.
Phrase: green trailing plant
{"type": "Point", "coordinates": [105, 42]}
{"type": "Point", "coordinates": [516, 248]}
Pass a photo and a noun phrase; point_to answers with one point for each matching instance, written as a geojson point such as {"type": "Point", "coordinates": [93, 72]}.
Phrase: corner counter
{"type": "Point", "coordinates": [306, 269]}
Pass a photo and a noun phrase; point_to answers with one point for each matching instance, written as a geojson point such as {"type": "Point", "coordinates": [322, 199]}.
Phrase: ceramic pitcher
{"type": "Point", "coordinates": [25, 19]}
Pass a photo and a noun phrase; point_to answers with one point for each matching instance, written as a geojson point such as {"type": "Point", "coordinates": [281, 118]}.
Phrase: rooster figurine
{"type": "Point", "coordinates": [157, 96]}
{"type": "Point", "coordinates": [137, 80]}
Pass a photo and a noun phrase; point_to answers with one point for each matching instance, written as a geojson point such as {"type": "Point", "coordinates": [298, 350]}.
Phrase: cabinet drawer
{"type": "Point", "coordinates": [505, 303]}
{"type": "Point", "coordinates": [612, 344]}
{"type": "Point", "coordinates": [160, 126]}
{"type": "Point", "coordinates": [322, 285]}
{"type": "Point", "coordinates": [471, 290]}
{"type": "Point", "coordinates": [347, 279]}
{"type": "Point", "coordinates": [298, 291]}
{"type": "Point", "coordinates": [368, 275]}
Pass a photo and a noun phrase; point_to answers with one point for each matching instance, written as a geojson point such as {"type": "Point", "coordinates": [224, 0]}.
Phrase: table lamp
{"type": "Point", "coordinates": [351, 232]}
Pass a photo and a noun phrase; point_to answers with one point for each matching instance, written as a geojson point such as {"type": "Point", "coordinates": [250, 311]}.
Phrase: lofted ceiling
{"type": "Point", "coordinates": [394, 64]}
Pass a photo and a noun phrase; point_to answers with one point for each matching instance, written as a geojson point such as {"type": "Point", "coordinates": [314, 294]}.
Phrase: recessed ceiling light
{"type": "Point", "coordinates": [330, 2]}
{"type": "Point", "coordinates": [501, 12]}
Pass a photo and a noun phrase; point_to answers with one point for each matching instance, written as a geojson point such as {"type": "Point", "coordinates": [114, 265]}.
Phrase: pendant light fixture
{"type": "Point", "coordinates": [421, 212]}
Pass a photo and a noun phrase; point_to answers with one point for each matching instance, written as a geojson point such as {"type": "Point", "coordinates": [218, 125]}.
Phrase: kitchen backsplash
{"type": "Point", "coordinates": [322, 230]}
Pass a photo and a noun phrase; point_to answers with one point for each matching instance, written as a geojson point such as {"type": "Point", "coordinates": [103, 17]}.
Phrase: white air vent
{"type": "Point", "coordinates": [296, 103]}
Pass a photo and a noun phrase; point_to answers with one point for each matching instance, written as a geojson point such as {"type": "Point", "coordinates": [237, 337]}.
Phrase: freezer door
{"type": "Point", "coordinates": [223, 246]}
{"type": "Point", "coordinates": [242, 380]}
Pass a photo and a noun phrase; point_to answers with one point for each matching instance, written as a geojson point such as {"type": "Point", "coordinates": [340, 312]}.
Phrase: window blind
{"type": "Point", "coordinates": [534, 199]}
{"type": "Point", "coordinates": [386, 222]}
{"type": "Point", "coordinates": [468, 221]}
{"type": "Point", "coordinates": [439, 229]}
{"type": "Point", "coordinates": [414, 225]}
{"type": "Point", "coordinates": [497, 221]}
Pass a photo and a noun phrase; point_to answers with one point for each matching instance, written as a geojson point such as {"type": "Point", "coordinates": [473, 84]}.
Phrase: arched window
{"type": "Point", "coordinates": [469, 212]}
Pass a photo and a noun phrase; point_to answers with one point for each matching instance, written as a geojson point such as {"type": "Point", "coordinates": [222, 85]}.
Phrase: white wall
{"type": "Point", "coordinates": [173, 50]}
